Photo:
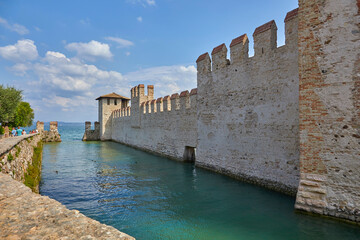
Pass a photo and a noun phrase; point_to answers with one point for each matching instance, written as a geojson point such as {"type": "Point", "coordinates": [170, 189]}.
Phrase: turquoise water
{"type": "Point", "coordinates": [151, 197]}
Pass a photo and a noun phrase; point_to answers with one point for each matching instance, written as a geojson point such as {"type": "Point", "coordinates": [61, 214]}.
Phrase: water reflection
{"type": "Point", "coordinates": [151, 197]}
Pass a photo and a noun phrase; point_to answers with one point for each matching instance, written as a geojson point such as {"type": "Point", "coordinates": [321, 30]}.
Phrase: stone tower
{"type": "Point", "coordinates": [107, 104]}
{"type": "Point", "coordinates": [137, 97]}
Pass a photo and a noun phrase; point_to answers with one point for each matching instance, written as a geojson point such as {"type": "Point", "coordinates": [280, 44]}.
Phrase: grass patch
{"type": "Point", "coordinates": [33, 174]}
{"type": "Point", "coordinates": [18, 150]}
{"type": "Point", "coordinates": [10, 157]}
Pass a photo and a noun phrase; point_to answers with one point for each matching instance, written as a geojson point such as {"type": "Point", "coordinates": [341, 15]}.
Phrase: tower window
{"type": "Point", "coordinates": [108, 101]}
{"type": "Point", "coordinates": [115, 101]}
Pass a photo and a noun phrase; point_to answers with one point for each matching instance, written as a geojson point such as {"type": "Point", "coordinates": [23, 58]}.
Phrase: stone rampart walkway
{"type": "Point", "coordinates": [27, 215]}
{"type": "Point", "coordinates": [8, 143]}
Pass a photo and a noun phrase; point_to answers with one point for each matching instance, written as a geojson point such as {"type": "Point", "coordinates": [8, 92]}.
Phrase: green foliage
{"type": "Point", "coordinates": [2, 130]}
{"type": "Point", "coordinates": [10, 157]}
{"type": "Point", "coordinates": [33, 174]}
{"type": "Point", "coordinates": [18, 150]}
{"type": "Point", "coordinates": [24, 115]}
{"type": "Point", "coordinates": [9, 100]}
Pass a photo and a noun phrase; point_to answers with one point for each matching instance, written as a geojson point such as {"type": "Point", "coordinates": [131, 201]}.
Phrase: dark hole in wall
{"type": "Point", "coordinates": [189, 154]}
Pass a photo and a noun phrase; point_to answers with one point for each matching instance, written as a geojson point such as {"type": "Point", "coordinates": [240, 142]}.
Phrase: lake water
{"type": "Point", "coordinates": [151, 197]}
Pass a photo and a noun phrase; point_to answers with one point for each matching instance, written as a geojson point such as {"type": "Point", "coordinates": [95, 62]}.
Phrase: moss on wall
{"type": "Point", "coordinates": [33, 174]}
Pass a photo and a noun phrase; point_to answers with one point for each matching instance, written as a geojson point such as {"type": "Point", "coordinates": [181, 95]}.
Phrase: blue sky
{"type": "Point", "coordinates": [64, 54]}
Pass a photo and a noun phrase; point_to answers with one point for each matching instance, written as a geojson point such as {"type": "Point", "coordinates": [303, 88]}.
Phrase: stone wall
{"type": "Point", "coordinates": [26, 215]}
{"type": "Point", "coordinates": [287, 118]}
{"type": "Point", "coordinates": [242, 120]}
{"type": "Point", "coordinates": [329, 68]}
{"type": "Point", "coordinates": [248, 109]}
{"type": "Point", "coordinates": [52, 135]}
{"type": "Point", "coordinates": [91, 134]}
{"type": "Point", "coordinates": [166, 126]}
{"type": "Point", "coordinates": [16, 155]}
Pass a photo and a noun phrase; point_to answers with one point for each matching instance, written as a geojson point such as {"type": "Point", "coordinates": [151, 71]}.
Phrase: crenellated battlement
{"type": "Point", "coordinates": [137, 93]}
{"type": "Point", "coordinates": [184, 101]}
{"type": "Point", "coordinates": [176, 102]}
{"type": "Point", "coordinates": [89, 134]}
{"type": "Point", "coordinates": [122, 112]}
{"type": "Point", "coordinates": [265, 46]}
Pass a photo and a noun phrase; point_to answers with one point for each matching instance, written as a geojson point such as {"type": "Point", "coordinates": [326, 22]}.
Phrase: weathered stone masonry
{"type": "Point", "coordinates": [287, 118]}
{"type": "Point", "coordinates": [16, 155]}
{"type": "Point", "coordinates": [164, 125]}
{"type": "Point", "coordinates": [329, 70]}
{"type": "Point", "coordinates": [247, 109]}
{"type": "Point", "coordinates": [26, 215]}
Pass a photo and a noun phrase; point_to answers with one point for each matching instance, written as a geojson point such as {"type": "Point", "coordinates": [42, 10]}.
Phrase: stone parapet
{"type": "Point", "coordinates": [94, 135]}
{"type": "Point", "coordinates": [27, 215]}
{"type": "Point", "coordinates": [16, 155]}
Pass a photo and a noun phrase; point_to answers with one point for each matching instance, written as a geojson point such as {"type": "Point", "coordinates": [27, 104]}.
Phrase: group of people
{"type": "Point", "coordinates": [20, 132]}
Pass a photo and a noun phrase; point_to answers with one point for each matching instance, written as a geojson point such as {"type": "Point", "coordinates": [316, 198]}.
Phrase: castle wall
{"type": "Point", "coordinates": [248, 109]}
{"type": "Point", "coordinates": [91, 134]}
{"type": "Point", "coordinates": [287, 118]}
{"type": "Point", "coordinates": [164, 126]}
{"type": "Point", "coordinates": [329, 65]}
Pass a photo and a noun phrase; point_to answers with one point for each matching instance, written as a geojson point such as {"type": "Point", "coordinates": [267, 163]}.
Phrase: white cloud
{"type": "Point", "coordinates": [90, 50]}
{"type": "Point", "coordinates": [21, 51]}
{"type": "Point", "coordinates": [167, 79]}
{"type": "Point", "coordinates": [144, 3]}
{"type": "Point", "coordinates": [61, 73]}
{"type": "Point", "coordinates": [139, 19]}
{"type": "Point", "coordinates": [20, 69]}
{"type": "Point", "coordinates": [20, 29]}
{"type": "Point", "coordinates": [122, 43]}
{"type": "Point", "coordinates": [127, 53]}
{"type": "Point", "coordinates": [60, 101]}
{"type": "Point", "coordinates": [64, 86]}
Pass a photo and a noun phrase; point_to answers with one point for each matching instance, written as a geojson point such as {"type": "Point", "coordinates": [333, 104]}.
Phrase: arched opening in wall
{"type": "Point", "coordinates": [189, 154]}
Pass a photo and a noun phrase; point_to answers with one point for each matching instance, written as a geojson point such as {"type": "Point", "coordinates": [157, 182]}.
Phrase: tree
{"type": "Point", "coordinates": [24, 115]}
{"type": "Point", "coordinates": [9, 100]}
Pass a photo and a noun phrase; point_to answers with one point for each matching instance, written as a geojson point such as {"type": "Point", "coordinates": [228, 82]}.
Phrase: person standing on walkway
{"type": "Point", "coordinates": [19, 131]}
{"type": "Point", "coordinates": [13, 132]}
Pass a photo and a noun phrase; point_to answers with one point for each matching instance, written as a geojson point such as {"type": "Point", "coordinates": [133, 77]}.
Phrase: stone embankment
{"type": "Point", "coordinates": [16, 158]}
{"type": "Point", "coordinates": [27, 215]}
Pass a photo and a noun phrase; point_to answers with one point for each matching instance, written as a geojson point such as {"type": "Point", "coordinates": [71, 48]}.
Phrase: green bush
{"type": "Point", "coordinates": [10, 157]}
{"type": "Point", "coordinates": [2, 130]}
{"type": "Point", "coordinates": [18, 150]}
